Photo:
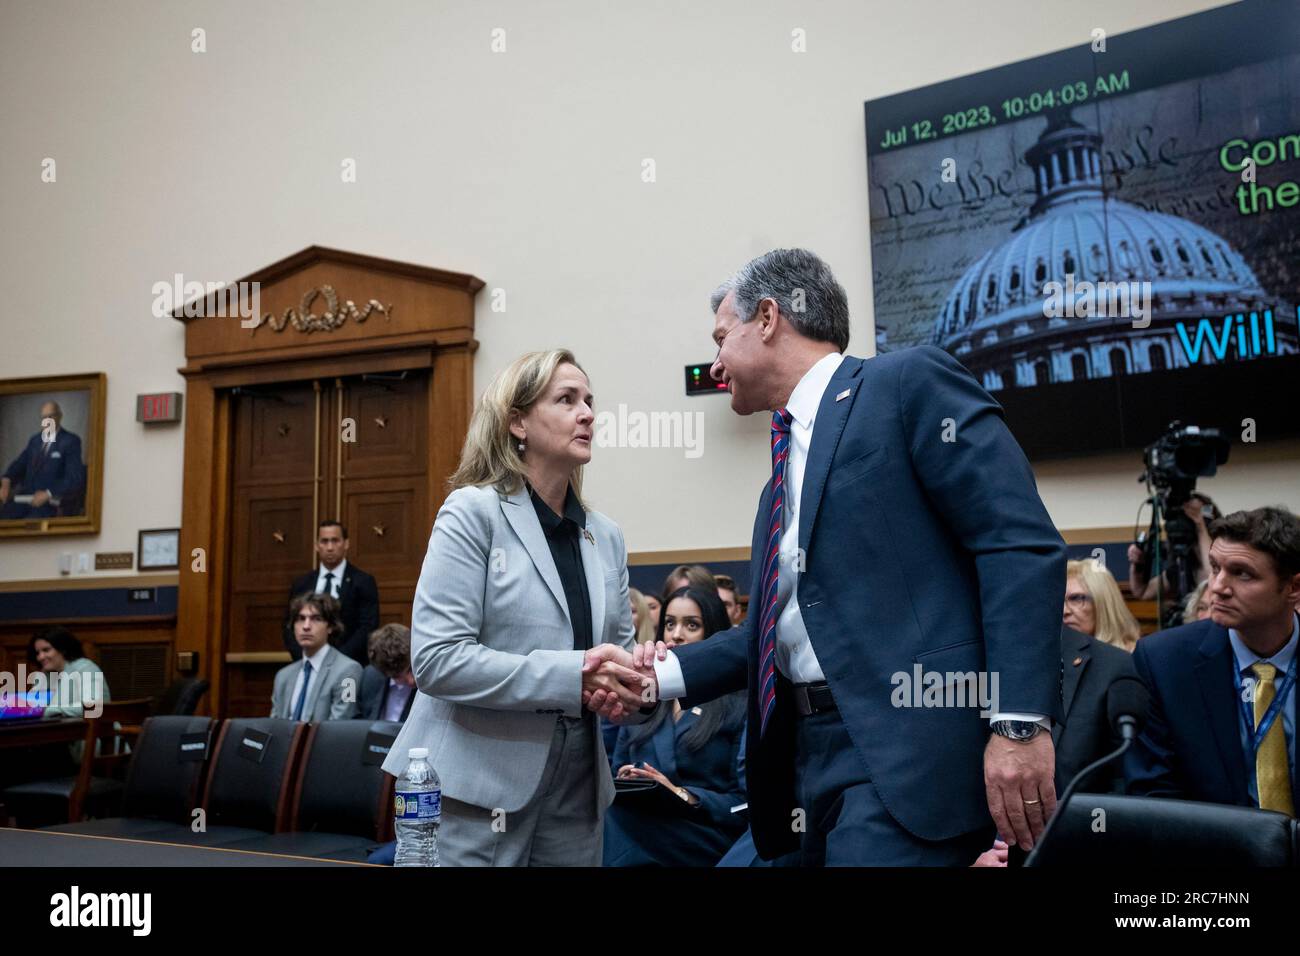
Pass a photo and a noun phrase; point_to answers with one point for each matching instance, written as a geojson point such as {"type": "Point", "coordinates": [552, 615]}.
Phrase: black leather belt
{"type": "Point", "coordinates": [813, 698]}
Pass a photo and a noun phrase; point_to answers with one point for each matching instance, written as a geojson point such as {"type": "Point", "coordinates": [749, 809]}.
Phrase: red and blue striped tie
{"type": "Point", "coordinates": [771, 565]}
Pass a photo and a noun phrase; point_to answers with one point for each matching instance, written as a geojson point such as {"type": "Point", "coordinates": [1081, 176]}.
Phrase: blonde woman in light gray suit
{"type": "Point", "coordinates": [521, 608]}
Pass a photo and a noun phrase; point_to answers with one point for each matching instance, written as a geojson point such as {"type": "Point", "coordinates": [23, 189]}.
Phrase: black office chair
{"type": "Point", "coordinates": [248, 784]}
{"type": "Point", "coordinates": [1109, 830]}
{"type": "Point", "coordinates": [181, 697]}
{"type": "Point", "coordinates": [92, 789]}
{"type": "Point", "coordinates": [162, 784]}
{"type": "Point", "coordinates": [343, 802]}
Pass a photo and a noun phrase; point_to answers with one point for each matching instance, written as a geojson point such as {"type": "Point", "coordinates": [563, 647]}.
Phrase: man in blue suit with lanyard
{"type": "Point", "coordinates": [1223, 700]}
{"type": "Point", "coordinates": [899, 539]}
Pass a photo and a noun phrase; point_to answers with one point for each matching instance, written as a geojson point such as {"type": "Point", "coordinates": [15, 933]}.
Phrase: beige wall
{"type": "Point", "coordinates": [523, 168]}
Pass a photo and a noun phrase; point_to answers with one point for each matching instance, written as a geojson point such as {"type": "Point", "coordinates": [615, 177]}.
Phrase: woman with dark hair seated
{"type": "Point", "coordinates": [72, 679]}
{"type": "Point", "coordinates": [690, 755]}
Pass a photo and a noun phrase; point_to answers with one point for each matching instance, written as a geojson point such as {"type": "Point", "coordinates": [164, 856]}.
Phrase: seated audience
{"type": "Point", "coordinates": [324, 683]}
{"type": "Point", "coordinates": [1200, 509]}
{"type": "Point", "coordinates": [1197, 605]}
{"type": "Point", "coordinates": [72, 679]}
{"type": "Point", "coordinates": [730, 598]}
{"type": "Point", "coordinates": [1094, 605]}
{"type": "Point", "coordinates": [688, 576]}
{"type": "Point", "coordinates": [653, 605]}
{"type": "Point", "coordinates": [1088, 669]}
{"type": "Point", "coordinates": [387, 685]}
{"type": "Point", "coordinates": [692, 754]}
{"type": "Point", "coordinates": [641, 620]}
{"type": "Point", "coordinates": [1223, 700]}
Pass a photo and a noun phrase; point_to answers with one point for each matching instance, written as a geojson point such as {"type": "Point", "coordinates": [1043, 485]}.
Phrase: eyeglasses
{"type": "Point", "coordinates": [1078, 600]}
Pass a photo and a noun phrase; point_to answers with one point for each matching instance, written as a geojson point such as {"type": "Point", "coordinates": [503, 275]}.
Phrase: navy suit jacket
{"type": "Point", "coordinates": [1191, 745]}
{"type": "Point", "coordinates": [1089, 668]}
{"type": "Point", "coordinates": [698, 836]}
{"type": "Point", "coordinates": [917, 550]}
{"type": "Point", "coordinates": [359, 600]}
{"type": "Point", "coordinates": [61, 472]}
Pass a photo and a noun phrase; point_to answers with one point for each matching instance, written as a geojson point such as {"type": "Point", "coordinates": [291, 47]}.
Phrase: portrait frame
{"type": "Point", "coordinates": [78, 449]}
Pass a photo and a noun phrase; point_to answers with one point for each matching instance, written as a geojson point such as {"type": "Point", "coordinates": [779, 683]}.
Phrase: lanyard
{"type": "Point", "coordinates": [1256, 736]}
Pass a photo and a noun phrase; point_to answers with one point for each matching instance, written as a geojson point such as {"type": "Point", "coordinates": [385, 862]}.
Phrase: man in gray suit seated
{"type": "Point", "coordinates": [324, 683]}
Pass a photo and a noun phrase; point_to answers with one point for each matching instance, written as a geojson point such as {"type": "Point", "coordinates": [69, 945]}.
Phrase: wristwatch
{"type": "Point", "coordinates": [1019, 730]}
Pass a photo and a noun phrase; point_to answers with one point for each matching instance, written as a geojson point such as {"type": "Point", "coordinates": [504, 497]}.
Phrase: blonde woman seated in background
{"type": "Point", "coordinates": [1095, 606]}
{"type": "Point", "coordinates": [1197, 606]}
{"type": "Point", "coordinates": [641, 619]}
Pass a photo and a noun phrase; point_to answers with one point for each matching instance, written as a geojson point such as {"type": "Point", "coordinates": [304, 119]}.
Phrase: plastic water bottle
{"type": "Point", "coordinates": [417, 811]}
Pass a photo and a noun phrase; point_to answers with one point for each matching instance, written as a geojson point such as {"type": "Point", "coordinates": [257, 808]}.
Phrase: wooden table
{"type": "Point", "coordinates": [37, 733]}
{"type": "Point", "coordinates": [20, 848]}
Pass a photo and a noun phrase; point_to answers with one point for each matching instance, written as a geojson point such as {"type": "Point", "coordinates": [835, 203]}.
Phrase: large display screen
{"type": "Point", "coordinates": [1105, 236]}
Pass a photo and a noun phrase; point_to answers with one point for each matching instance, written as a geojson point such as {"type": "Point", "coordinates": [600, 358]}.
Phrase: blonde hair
{"type": "Point", "coordinates": [1193, 599]}
{"type": "Point", "coordinates": [1115, 623]}
{"type": "Point", "coordinates": [491, 454]}
{"type": "Point", "coordinates": [645, 630]}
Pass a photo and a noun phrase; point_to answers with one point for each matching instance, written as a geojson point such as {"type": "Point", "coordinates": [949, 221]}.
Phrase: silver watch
{"type": "Point", "coordinates": [1016, 729]}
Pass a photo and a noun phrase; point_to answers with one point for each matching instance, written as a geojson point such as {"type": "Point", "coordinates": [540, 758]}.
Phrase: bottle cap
{"type": "Point", "coordinates": [418, 753]}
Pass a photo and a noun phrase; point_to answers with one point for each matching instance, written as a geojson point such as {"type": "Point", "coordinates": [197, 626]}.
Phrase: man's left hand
{"type": "Point", "coordinates": [1018, 780]}
{"type": "Point", "coordinates": [39, 498]}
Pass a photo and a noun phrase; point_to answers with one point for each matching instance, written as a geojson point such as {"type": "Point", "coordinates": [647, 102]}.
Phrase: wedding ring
{"type": "Point", "coordinates": [1030, 803]}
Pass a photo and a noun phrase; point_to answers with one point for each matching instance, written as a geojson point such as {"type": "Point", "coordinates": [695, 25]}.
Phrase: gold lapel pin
{"type": "Point", "coordinates": [1078, 661]}
{"type": "Point", "coordinates": [843, 395]}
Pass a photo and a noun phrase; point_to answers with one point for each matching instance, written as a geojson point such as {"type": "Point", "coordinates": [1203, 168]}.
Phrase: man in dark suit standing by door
{"type": "Point", "coordinates": [353, 588]}
{"type": "Point", "coordinates": [900, 533]}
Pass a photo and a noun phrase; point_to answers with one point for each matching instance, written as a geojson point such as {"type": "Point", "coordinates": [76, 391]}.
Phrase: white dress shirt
{"type": "Point", "coordinates": [795, 657]}
{"type": "Point", "coordinates": [335, 583]}
{"type": "Point", "coordinates": [317, 662]}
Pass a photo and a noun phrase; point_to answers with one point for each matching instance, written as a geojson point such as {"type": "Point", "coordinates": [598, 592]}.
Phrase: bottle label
{"type": "Point", "coordinates": [417, 805]}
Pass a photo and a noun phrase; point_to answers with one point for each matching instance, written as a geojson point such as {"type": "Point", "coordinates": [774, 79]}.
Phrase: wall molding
{"type": "Point", "coordinates": [91, 583]}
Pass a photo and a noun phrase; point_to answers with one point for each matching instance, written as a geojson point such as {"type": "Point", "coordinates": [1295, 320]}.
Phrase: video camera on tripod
{"type": "Point", "coordinates": [1174, 462]}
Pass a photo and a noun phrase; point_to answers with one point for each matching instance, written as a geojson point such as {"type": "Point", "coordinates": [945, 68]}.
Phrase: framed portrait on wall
{"type": "Point", "coordinates": [51, 454]}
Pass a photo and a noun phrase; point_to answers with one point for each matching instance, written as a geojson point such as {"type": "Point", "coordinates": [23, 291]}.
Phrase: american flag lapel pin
{"type": "Point", "coordinates": [843, 395]}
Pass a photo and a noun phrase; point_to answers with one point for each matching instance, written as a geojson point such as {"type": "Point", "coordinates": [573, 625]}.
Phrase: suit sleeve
{"type": "Point", "coordinates": [1149, 764]}
{"type": "Point", "coordinates": [447, 659]}
{"type": "Point", "coordinates": [717, 666]}
{"type": "Point", "coordinates": [717, 804]}
{"type": "Point", "coordinates": [343, 699]}
{"type": "Point", "coordinates": [976, 476]}
{"type": "Point", "coordinates": [18, 467]}
{"type": "Point", "coordinates": [367, 597]}
{"type": "Point", "coordinates": [73, 470]}
{"type": "Point", "coordinates": [277, 695]}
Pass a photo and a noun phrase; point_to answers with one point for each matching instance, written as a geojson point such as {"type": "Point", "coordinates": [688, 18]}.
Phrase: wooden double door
{"type": "Point", "coordinates": [352, 449]}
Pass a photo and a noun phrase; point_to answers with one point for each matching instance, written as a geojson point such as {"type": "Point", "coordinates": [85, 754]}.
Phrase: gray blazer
{"type": "Point", "coordinates": [492, 647]}
{"type": "Point", "coordinates": [329, 697]}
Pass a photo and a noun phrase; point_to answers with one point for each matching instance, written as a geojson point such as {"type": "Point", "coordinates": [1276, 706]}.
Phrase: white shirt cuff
{"type": "Point", "coordinates": [1046, 722]}
{"type": "Point", "coordinates": [668, 672]}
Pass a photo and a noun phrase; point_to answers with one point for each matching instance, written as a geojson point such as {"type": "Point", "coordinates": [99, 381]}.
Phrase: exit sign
{"type": "Point", "coordinates": [158, 407]}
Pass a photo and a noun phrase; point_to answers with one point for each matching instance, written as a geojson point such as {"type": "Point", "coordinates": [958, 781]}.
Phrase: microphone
{"type": "Point", "coordinates": [1127, 702]}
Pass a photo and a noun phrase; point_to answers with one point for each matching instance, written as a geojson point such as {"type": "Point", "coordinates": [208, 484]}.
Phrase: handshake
{"type": "Point", "coordinates": [617, 684]}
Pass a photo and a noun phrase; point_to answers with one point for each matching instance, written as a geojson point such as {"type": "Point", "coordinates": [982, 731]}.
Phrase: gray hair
{"type": "Point", "coordinates": [804, 289]}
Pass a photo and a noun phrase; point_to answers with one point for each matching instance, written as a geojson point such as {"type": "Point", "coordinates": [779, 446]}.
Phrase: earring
{"type": "Point", "coordinates": [521, 448]}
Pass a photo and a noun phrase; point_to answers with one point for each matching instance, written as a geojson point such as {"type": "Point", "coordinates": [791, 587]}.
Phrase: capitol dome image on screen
{"type": "Point", "coordinates": [1088, 286]}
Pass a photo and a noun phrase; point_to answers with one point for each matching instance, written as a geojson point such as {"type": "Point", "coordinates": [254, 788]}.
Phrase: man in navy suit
{"type": "Point", "coordinates": [900, 536]}
{"type": "Point", "coordinates": [1223, 700]}
{"type": "Point", "coordinates": [49, 469]}
{"type": "Point", "coordinates": [354, 589]}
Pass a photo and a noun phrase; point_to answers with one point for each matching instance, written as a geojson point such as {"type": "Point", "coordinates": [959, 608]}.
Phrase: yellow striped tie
{"type": "Point", "coordinates": [1272, 773]}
